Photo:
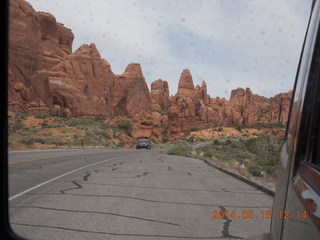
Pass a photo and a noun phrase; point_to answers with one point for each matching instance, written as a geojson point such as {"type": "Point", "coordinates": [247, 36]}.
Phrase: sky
{"type": "Point", "coordinates": [226, 43]}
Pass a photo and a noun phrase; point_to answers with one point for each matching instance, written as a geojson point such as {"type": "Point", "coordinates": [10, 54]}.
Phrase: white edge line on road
{"type": "Point", "coordinates": [65, 174]}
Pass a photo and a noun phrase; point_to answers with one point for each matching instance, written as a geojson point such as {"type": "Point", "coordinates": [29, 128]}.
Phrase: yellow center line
{"type": "Point", "coordinates": [44, 158]}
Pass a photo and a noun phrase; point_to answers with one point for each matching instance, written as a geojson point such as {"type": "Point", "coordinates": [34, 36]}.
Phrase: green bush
{"type": "Point", "coordinates": [255, 171]}
{"type": "Point", "coordinates": [15, 125]}
{"type": "Point", "coordinates": [165, 138]}
{"type": "Point", "coordinates": [63, 113]}
{"type": "Point", "coordinates": [263, 153]}
{"type": "Point", "coordinates": [239, 128]}
{"type": "Point", "coordinates": [40, 140]}
{"type": "Point", "coordinates": [87, 122]}
{"type": "Point", "coordinates": [41, 115]}
{"type": "Point", "coordinates": [266, 149]}
{"type": "Point", "coordinates": [45, 124]}
{"type": "Point", "coordinates": [207, 153]}
{"type": "Point", "coordinates": [28, 141]}
{"type": "Point", "coordinates": [194, 129]}
{"type": "Point", "coordinates": [12, 142]}
{"type": "Point", "coordinates": [125, 126]}
{"type": "Point", "coordinates": [181, 147]}
{"type": "Point", "coordinates": [100, 118]}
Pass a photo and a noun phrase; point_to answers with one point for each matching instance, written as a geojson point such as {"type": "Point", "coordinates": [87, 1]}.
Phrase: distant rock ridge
{"type": "Point", "coordinates": [45, 76]}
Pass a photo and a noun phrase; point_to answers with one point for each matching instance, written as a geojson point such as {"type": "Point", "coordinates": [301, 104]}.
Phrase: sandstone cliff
{"type": "Point", "coordinates": [45, 75]}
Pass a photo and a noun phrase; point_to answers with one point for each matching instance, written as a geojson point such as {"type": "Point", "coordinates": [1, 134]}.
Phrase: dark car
{"type": "Point", "coordinates": [143, 143]}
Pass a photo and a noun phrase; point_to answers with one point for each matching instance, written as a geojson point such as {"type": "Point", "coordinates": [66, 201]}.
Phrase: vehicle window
{"type": "Point", "coordinates": [316, 159]}
{"type": "Point", "coordinates": [121, 112]}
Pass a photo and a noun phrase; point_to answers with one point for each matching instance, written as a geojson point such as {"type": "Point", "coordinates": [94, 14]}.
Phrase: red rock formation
{"type": "Point", "coordinates": [83, 83]}
{"type": "Point", "coordinates": [28, 76]}
{"type": "Point", "coordinates": [278, 109]}
{"type": "Point", "coordinates": [130, 94]}
{"type": "Point", "coordinates": [56, 40]}
{"type": "Point", "coordinates": [160, 94]}
{"type": "Point", "coordinates": [44, 75]}
{"type": "Point", "coordinates": [186, 87]}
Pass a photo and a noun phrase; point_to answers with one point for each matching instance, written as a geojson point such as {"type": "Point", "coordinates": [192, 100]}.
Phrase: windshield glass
{"type": "Point", "coordinates": [207, 84]}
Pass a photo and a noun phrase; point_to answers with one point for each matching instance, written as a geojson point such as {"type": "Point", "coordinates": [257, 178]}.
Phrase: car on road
{"type": "Point", "coordinates": [143, 143]}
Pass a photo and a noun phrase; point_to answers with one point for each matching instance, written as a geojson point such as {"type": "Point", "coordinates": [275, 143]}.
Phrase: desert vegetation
{"type": "Point", "coordinates": [43, 131]}
{"type": "Point", "coordinates": [257, 156]}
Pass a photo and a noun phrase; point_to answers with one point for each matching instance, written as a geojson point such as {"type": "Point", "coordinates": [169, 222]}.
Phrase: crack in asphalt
{"type": "Point", "coordinates": [103, 213]}
{"type": "Point", "coordinates": [37, 165]}
{"type": "Point", "coordinates": [226, 225]}
{"type": "Point", "coordinates": [137, 176]}
{"type": "Point", "coordinates": [223, 190]}
{"type": "Point", "coordinates": [160, 188]}
{"type": "Point", "coordinates": [75, 182]}
{"type": "Point", "coordinates": [149, 200]}
{"type": "Point", "coordinates": [115, 234]}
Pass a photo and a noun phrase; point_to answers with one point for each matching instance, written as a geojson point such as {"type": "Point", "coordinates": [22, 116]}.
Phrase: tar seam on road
{"type": "Point", "coordinates": [148, 200]}
{"type": "Point", "coordinates": [116, 234]}
{"type": "Point", "coordinates": [63, 175]}
{"type": "Point", "coordinates": [103, 213]}
{"type": "Point", "coordinates": [226, 225]}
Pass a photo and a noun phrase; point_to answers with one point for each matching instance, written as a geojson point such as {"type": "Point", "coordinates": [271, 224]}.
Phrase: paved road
{"type": "Point", "coordinates": [128, 194]}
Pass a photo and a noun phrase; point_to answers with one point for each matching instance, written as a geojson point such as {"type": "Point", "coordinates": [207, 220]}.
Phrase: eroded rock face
{"type": "Point", "coordinates": [160, 94]}
{"type": "Point", "coordinates": [28, 75]}
{"type": "Point", "coordinates": [44, 75]}
{"type": "Point", "coordinates": [186, 87]}
{"type": "Point", "coordinates": [279, 107]}
{"type": "Point", "coordinates": [56, 40]}
{"type": "Point", "coordinates": [130, 94]}
{"type": "Point", "coordinates": [83, 83]}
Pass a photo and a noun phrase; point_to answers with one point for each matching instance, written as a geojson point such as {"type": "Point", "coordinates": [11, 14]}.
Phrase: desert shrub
{"type": "Point", "coordinates": [15, 125]}
{"type": "Point", "coordinates": [207, 153]}
{"type": "Point", "coordinates": [56, 125]}
{"type": "Point", "coordinates": [268, 125]}
{"type": "Point", "coordinates": [100, 118]}
{"type": "Point", "coordinates": [256, 156]}
{"type": "Point", "coordinates": [87, 122]}
{"type": "Point", "coordinates": [239, 128]}
{"type": "Point", "coordinates": [40, 140]}
{"type": "Point", "coordinates": [216, 142]}
{"type": "Point", "coordinates": [12, 142]}
{"type": "Point", "coordinates": [41, 115]}
{"type": "Point", "coordinates": [219, 129]}
{"type": "Point", "coordinates": [120, 145]}
{"type": "Point", "coordinates": [255, 171]}
{"type": "Point", "coordinates": [45, 124]}
{"type": "Point", "coordinates": [28, 141]}
{"type": "Point", "coordinates": [165, 138]}
{"type": "Point", "coordinates": [103, 133]}
{"type": "Point", "coordinates": [63, 113]}
{"type": "Point", "coordinates": [266, 149]}
{"type": "Point", "coordinates": [194, 129]}
{"type": "Point", "coordinates": [125, 126]}
{"type": "Point", "coordinates": [234, 164]}
{"type": "Point", "coordinates": [181, 147]}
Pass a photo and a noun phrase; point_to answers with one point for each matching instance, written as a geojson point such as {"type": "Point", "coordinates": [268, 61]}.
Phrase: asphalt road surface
{"type": "Point", "coordinates": [129, 194]}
